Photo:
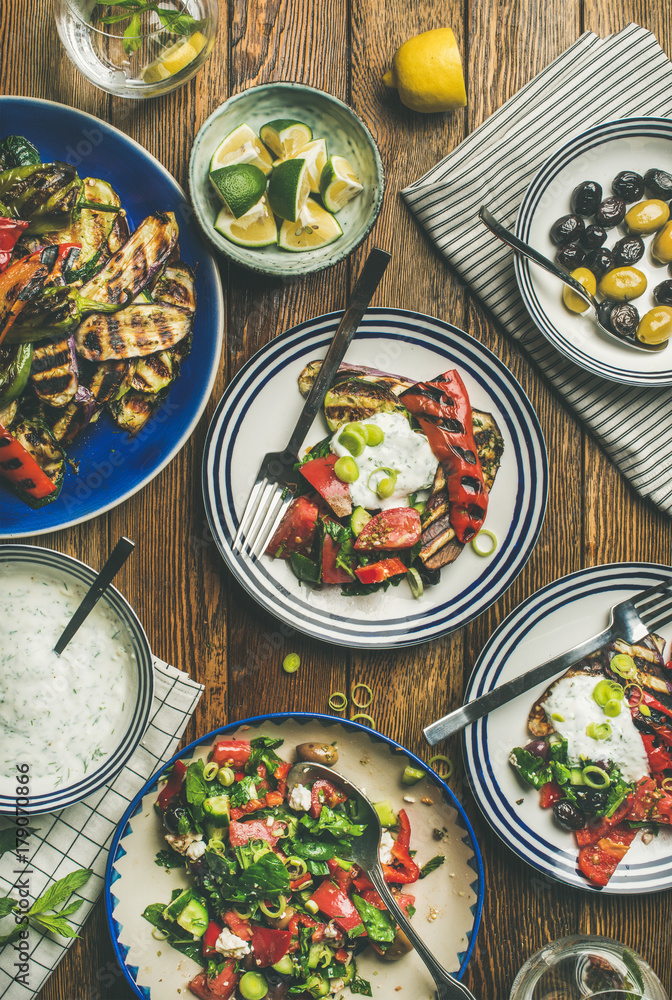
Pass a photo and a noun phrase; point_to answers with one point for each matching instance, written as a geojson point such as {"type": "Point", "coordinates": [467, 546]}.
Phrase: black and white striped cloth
{"type": "Point", "coordinates": [80, 837]}
{"type": "Point", "coordinates": [595, 80]}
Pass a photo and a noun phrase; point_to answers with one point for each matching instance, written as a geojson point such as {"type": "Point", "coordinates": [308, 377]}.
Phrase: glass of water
{"type": "Point", "coordinates": [130, 50]}
{"type": "Point", "coordinates": [572, 968]}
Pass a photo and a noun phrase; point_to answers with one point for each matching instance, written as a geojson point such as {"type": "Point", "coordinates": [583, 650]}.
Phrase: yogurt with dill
{"type": "Point", "coordinates": [62, 715]}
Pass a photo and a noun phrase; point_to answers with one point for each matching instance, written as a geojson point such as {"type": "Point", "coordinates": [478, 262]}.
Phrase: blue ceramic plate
{"type": "Point", "coordinates": [257, 414]}
{"type": "Point", "coordinates": [448, 902]}
{"type": "Point", "coordinates": [560, 615]}
{"type": "Point", "coordinates": [112, 466]}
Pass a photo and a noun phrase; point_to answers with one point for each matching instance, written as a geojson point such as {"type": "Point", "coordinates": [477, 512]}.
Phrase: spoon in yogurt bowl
{"type": "Point", "coordinates": [365, 854]}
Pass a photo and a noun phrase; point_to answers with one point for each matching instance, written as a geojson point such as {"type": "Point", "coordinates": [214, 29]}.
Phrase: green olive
{"type": "Point", "coordinates": [622, 284]}
{"type": "Point", "coordinates": [572, 299]}
{"type": "Point", "coordinates": [661, 248]}
{"type": "Point", "coordinates": [399, 947]}
{"type": "Point", "coordinates": [281, 923]}
{"type": "Point", "coordinates": [647, 216]}
{"type": "Point", "coordinates": [318, 753]}
{"type": "Point", "coordinates": [655, 326]}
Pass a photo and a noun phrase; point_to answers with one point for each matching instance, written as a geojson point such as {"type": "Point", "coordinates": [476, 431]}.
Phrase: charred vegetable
{"type": "Point", "coordinates": [54, 372]}
{"type": "Point", "coordinates": [133, 410]}
{"type": "Point", "coordinates": [53, 312]}
{"type": "Point", "coordinates": [15, 151]}
{"type": "Point", "coordinates": [32, 462]}
{"type": "Point", "coordinates": [139, 260]}
{"type": "Point", "coordinates": [109, 380]}
{"type": "Point", "coordinates": [45, 194]}
{"type": "Point", "coordinates": [20, 283]}
{"type": "Point", "coordinates": [133, 332]}
{"type": "Point", "coordinates": [14, 371]}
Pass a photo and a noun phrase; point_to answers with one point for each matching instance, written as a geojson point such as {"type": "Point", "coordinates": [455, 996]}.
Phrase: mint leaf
{"type": "Point", "coordinates": [133, 34]}
{"type": "Point", "coordinates": [8, 839]}
{"type": "Point", "coordinates": [431, 865]}
{"type": "Point", "coordinates": [361, 986]}
{"type": "Point", "coordinates": [7, 904]}
{"type": "Point", "coordinates": [379, 924]}
{"type": "Point", "coordinates": [60, 891]}
{"type": "Point", "coordinates": [13, 935]}
{"type": "Point", "coordinates": [57, 925]}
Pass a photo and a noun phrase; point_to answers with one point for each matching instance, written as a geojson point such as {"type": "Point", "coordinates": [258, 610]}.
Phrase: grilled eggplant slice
{"type": "Point", "coordinates": [90, 228]}
{"type": "Point", "coordinates": [356, 399]}
{"type": "Point", "coordinates": [396, 383]}
{"type": "Point", "coordinates": [175, 287]}
{"type": "Point", "coordinates": [133, 332]}
{"type": "Point", "coordinates": [53, 374]}
{"type": "Point", "coordinates": [133, 410]}
{"type": "Point", "coordinates": [138, 261]}
{"type": "Point", "coordinates": [109, 380]}
{"type": "Point", "coordinates": [154, 373]}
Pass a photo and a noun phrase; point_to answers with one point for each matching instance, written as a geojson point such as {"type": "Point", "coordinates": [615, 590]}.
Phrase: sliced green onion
{"type": "Point", "coordinates": [361, 703]}
{"type": "Point", "coordinates": [415, 582]}
{"type": "Point", "coordinates": [596, 777]}
{"type": "Point", "coordinates": [598, 731]}
{"type": "Point", "coordinates": [159, 934]}
{"type": "Point", "coordinates": [383, 481]}
{"type": "Point", "coordinates": [291, 663]}
{"type": "Point", "coordinates": [666, 784]}
{"type": "Point", "coordinates": [645, 710]}
{"type": "Point", "coordinates": [274, 912]}
{"type": "Point", "coordinates": [353, 440]}
{"type": "Point", "coordinates": [632, 688]}
{"type": "Point", "coordinates": [244, 912]}
{"type": "Point", "coordinates": [557, 717]}
{"type": "Point", "coordinates": [612, 708]}
{"type": "Point", "coordinates": [420, 506]}
{"type": "Point", "coordinates": [446, 760]}
{"type": "Point", "coordinates": [346, 470]}
{"type": "Point", "coordinates": [253, 986]}
{"type": "Point", "coordinates": [363, 715]}
{"type": "Point", "coordinates": [226, 776]}
{"type": "Point", "coordinates": [210, 771]}
{"type": "Point", "coordinates": [412, 775]}
{"type": "Point", "coordinates": [311, 906]}
{"type": "Point", "coordinates": [606, 690]}
{"type": "Point", "coordinates": [482, 547]}
{"type": "Point", "coordinates": [623, 665]}
{"type": "Point", "coordinates": [375, 435]}
{"type": "Point", "coordinates": [296, 867]}
{"type": "Point", "coordinates": [338, 702]}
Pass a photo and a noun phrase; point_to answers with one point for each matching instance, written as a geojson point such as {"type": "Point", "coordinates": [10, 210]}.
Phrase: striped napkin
{"type": "Point", "coordinates": [595, 80]}
{"type": "Point", "coordinates": [80, 837]}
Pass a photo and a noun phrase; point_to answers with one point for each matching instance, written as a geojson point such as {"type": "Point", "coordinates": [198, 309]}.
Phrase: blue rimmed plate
{"type": "Point", "coordinates": [596, 155]}
{"type": "Point", "coordinates": [113, 466]}
{"type": "Point", "coordinates": [565, 612]}
{"type": "Point", "coordinates": [448, 902]}
{"type": "Point", "coordinates": [257, 414]}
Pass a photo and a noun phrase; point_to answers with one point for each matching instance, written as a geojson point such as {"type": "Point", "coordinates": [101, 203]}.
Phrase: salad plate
{"type": "Point", "coordinates": [257, 414]}
{"type": "Point", "coordinates": [448, 902]}
{"type": "Point", "coordinates": [575, 606]}
{"type": "Point", "coordinates": [112, 465]}
{"type": "Point", "coordinates": [598, 154]}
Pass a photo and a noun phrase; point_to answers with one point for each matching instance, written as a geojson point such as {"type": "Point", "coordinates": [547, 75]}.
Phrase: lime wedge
{"type": "Point", "coordinates": [285, 136]}
{"type": "Point", "coordinates": [241, 146]}
{"type": "Point", "coordinates": [315, 155]}
{"type": "Point", "coordinates": [174, 59]}
{"type": "Point", "coordinates": [316, 228]}
{"type": "Point", "coordinates": [239, 186]}
{"type": "Point", "coordinates": [339, 183]}
{"type": "Point", "coordinates": [256, 228]}
{"type": "Point", "coordinates": [288, 188]}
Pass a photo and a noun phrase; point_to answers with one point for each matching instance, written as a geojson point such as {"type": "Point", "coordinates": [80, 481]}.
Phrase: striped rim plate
{"type": "Point", "coordinates": [257, 414]}
{"type": "Point", "coordinates": [570, 610]}
{"type": "Point", "coordinates": [453, 893]}
{"type": "Point", "coordinates": [598, 155]}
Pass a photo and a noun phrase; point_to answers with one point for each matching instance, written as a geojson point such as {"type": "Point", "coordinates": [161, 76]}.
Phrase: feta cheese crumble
{"type": "Point", "coordinates": [385, 849]}
{"type": "Point", "coordinates": [230, 945]}
{"type": "Point", "coordinates": [300, 798]}
{"type": "Point", "coordinates": [196, 850]}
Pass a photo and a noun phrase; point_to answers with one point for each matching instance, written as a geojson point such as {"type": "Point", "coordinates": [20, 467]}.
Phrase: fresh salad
{"type": "Point", "coordinates": [601, 756]}
{"type": "Point", "coordinates": [92, 317]}
{"type": "Point", "coordinates": [396, 489]}
{"type": "Point", "coordinates": [274, 907]}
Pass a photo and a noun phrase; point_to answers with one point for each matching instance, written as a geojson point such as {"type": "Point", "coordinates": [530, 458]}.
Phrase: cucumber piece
{"type": "Point", "coordinates": [386, 813]}
{"type": "Point", "coordinates": [359, 517]}
{"type": "Point", "coordinates": [217, 806]}
{"type": "Point", "coordinates": [412, 775]}
{"type": "Point", "coordinates": [285, 966]}
{"type": "Point", "coordinates": [173, 910]}
{"type": "Point", "coordinates": [194, 918]}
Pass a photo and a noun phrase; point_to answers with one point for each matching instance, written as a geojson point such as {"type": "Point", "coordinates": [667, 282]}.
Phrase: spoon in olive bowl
{"type": "Point", "coordinates": [365, 854]}
{"type": "Point", "coordinates": [528, 251]}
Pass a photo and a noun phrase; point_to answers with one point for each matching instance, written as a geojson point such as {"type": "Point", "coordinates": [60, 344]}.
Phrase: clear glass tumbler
{"type": "Point", "coordinates": [143, 50]}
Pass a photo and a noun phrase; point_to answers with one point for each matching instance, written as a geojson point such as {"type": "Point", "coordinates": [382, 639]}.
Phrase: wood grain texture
{"type": "Point", "coordinates": [195, 615]}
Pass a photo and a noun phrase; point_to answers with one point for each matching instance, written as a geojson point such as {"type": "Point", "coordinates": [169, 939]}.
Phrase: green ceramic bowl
{"type": "Point", "coordinates": [346, 136]}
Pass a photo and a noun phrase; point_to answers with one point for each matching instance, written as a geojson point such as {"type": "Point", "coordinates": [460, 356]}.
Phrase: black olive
{"type": "Point", "coordinates": [568, 816]}
{"type": "Point", "coordinates": [567, 229]}
{"type": "Point", "coordinates": [658, 184]}
{"type": "Point", "coordinates": [539, 748]}
{"type": "Point", "coordinates": [590, 799]}
{"type": "Point", "coordinates": [586, 197]}
{"type": "Point", "coordinates": [610, 212]}
{"type": "Point", "coordinates": [662, 293]}
{"type": "Point", "coordinates": [430, 577]}
{"type": "Point", "coordinates": [624, 320]}
{"type": "Point", "coordinates": [628, 185]}
{"type": "Point", "coordinates": [628, 251]}
{"type": "Point", "coordinates": [592, 237]}
{"type": "Point", "coordinates": [599, 261]}
{"type": "Point", "coordinates": [570, 256]}
{"type": "Point", "coordinates": [172, 816]}
{"type": "Point", "coordinates": [604, 312]}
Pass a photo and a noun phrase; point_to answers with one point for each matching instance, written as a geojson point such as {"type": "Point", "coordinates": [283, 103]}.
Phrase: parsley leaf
{"type": "Point", "coordinates": [169, 859]}
{"type": "Point", "coordinates": [360, 986]}
{"type": "Point", "coordinates": [431, 865]}
{"type": "Point", "coordinates": [196, 789]}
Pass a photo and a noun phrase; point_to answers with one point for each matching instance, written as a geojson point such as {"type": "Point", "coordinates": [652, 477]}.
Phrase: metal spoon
{"type": "Point", "coordinates": [527, 251]}
{"type": "Point", "coordinates": [365, 854]}
{"type": "Point", "coordinates": [118, 557]}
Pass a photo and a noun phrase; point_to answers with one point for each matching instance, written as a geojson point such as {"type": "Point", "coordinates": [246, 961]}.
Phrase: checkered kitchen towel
{"type": "Point", "coordinates": [80, 836]}
{"type": "Point", "coordinates": [596, 80]}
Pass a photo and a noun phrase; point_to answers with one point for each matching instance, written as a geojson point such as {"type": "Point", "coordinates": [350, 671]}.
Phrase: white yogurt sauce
{"type": "Point", "coordinates": [572, 700]}
{"type": "Point", "coordinates": [404, 450]}
{"type": "Point", "coordinates": [62, 715]}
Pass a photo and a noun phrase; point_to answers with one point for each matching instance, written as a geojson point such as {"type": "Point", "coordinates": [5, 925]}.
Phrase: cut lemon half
{"type": "Point", "coordinates": [256, 228]}
{"type": "Point", "coordinates": [239, 186]}
{"type": "Point", "coordinates": [285, 136]}
{"type": "Point", "coordinates": [339, 183]}
{"type": "Point", "coordinates": [316, 228]}
{"type": "Point", "coordinates": [174, 59]}
{"type": "Point", "coordinates": [242, 145]}
{"type": "Point", "coordinates": [288, 188]}
{"type": "Point", "coordinates": [315, 155]}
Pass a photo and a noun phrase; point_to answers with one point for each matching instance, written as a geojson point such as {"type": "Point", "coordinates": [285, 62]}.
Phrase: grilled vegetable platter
{"type": "Point", "coordinates": [101, 269]}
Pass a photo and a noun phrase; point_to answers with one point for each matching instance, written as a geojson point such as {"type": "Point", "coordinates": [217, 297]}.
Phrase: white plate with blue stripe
{"type": "Point", "coordinates": [596, 155]}
{"type": "Point", "coordinates": [257, 414]}
{"type": "Point", "coordinates": [564, 613]}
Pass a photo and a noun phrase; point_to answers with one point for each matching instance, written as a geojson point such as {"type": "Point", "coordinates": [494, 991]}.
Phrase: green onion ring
{"type": "Point", "coordinates": [226, 776]}
{"type": "Point", "coordinates": [479, 548]}
{"type": "Point", "coordinates": [446, 760]}
{"type": "Point", "coordinates": [210, 771]}
{"type": "Point", "coordinates": [244, 912]}
{"type": "Point", "coordinates": [291, 663]}
{"type": "Point", "coordinates": [666, 784]}
{"type": "Point", "coordinates": [593, 769]}
{"type": "Point", "coordinates": [268, 911]}
{"type": "Point", "coordinates": [297, 865]}
{"type": "Point", "coordinates": [598, 730]}
{"type": "Point", "coordinates": [159, 934]}
{"type": "Point", "coordinates": [338, 702]}
{"type": "Point", "coordinates": [363, 715]}
{"type": "Point", "coordinates": [361, 704]}
{"type": "Point", "coordinates": [623, 665]}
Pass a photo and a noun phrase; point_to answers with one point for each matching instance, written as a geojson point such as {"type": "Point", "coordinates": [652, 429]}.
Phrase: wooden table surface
{"type": "Point", "coordinates": [195, 616]}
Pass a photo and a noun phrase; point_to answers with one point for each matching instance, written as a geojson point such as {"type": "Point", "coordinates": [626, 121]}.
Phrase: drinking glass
{"type": "Point", "coordinates": [137, 53]}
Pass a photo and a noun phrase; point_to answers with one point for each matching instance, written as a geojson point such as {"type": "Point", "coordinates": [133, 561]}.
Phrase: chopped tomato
{"type": "Point", "coordinates": [320, 474]}
{"type": "Point", "coordinates": [237, 925]}
{"type": "Point", "coordinates": [595, 831]}
{"type": "Point", "coordinates": [251, 829]}
{"type": "Point", "coordinates": [550, 793]}
{"type": "Point", "coordinates": [219, 987]}
{"type": "Point", "coordinates": [379, 571]}
{"type": "Point", "coordinates": [209, 940]}
{"type": "Point", "coordinates": [339, 875]}
{"type": "Point", "coordinates": [231, 752]}
{"type": "Point", "coordinates": [280, 775]}
{"type": "Point", "coordinates": [331, 573]}
{"type": "Point", "coordinates": [172, 786]}
{"type": "Point", "coordinates": [662, 810]}
{"type": "Point", "coordinates": [323, 791]}
{"type": "Point", "coordinates": [599, 861]}
{"type": "Point", "coordinates": [296, 531]}
{"type": "Point", "coordinates": [300, 919]}
{"type": "Point", "coordinates": [338, 906]}
{"type": "Point", "coordinates": [398, 528]}
{"type": "Point", "coordinates": [269, 945]}
{"type": "Point", "coordinates": [372, 897]}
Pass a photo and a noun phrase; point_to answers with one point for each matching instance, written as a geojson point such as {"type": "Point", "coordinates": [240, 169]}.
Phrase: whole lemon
{"type": "Point", "coordinates": [427, 72]}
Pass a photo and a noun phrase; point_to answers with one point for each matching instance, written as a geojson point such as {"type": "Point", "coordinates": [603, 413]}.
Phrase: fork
{"type": "Point", "coordinates": [630, 621]}
{"type": "Point", "coordinates": [278, 480]}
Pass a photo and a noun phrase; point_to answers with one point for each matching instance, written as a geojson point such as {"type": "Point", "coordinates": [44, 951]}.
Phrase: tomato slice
{"type": "Point", "coordinates": [320, 474]}
{"type": "Point", "coordinates": [380, 571]}
{"type": "Point", "coordinates": [550, 793]}
{"type": "Point", "coordinates": [251, 829]}
{"type": "Point", "coordinates": [296, 531]}
{"type": "Point", "coordinates": [331, 573]}
{"type": "Point", "coordinates": [337, 905]}
{"type": "Point", "coordinates": [594, 832]}
{"type": "Point", "coordinates": [219, 987]}
{"type": "Point", "coordinates": [269, 945]}
{"type": "Point", "coordinates": [212, 932]}
{"type": "Point", "coordinates": [231, 752]}
{"type": "Point", "coordinates": [598, 862]}
{"type": "Point", "coordinates": [237, 925]}
{"type": "Point", "coordinates": [398, 528]}
{"type": "Point", "coordinates": [321, 792]}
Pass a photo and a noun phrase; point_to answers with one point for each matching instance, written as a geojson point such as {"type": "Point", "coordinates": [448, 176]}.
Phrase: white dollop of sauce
{"type": "Point", "coordinates": [403, 449]}
{"type": "Point", "coordinates": [572, 699]}
{"type": "Point", "coordinates": [62, 715]}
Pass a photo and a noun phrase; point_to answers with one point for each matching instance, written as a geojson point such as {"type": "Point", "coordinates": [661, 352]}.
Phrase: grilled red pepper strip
{"type": "Point", "coordinates": [20, 468]}
{"type": "Point", "coordinates": [10, 230]}
{"type": "Point", "coordinates": [20, 282]}
{"type": "Point", "coordinates": [443, 411]}
{"type": "Point", "coordinates": [409, 871]}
